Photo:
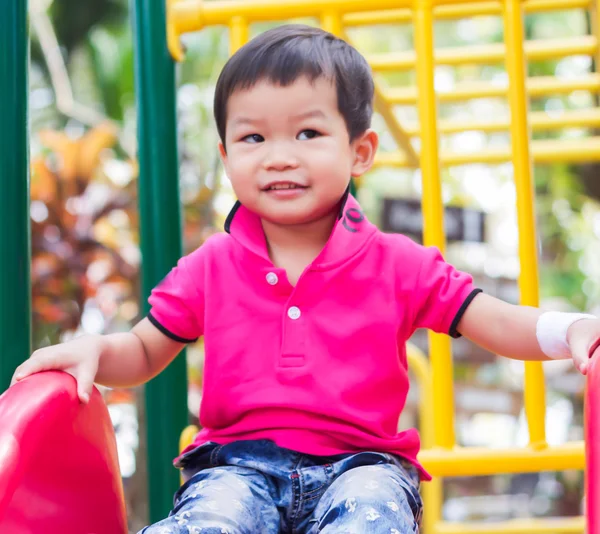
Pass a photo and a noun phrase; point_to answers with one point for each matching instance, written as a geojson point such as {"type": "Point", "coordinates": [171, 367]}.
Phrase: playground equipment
{"type": "Point", "coordinates": [59, 470]}
{"type": "Point", "coordinates": [157, 25]}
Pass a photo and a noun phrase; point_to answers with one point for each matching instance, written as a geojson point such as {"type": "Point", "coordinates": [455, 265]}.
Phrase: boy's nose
{"type": "Point", "coordinates": [280, 158]}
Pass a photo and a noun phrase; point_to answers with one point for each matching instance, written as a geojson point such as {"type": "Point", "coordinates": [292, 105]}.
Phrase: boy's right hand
{"type": "Point", "coordinates": [79, 357]}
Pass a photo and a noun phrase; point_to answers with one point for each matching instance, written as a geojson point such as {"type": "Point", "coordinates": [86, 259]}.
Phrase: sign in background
{"type": "Point", "coordinates": [405, 216]}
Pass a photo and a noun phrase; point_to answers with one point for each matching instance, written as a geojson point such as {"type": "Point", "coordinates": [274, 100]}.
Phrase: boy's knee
{"type": "Point", "coordinates": [196, 522]}
{"type": "Point", "coordinates": [221, 501]}
{"type": "Point", "coordinates": [370, 497]}
{"type": "Point", "coordinates": [190, 529]}
{"type": "Point", "coordinates": [379, 482]}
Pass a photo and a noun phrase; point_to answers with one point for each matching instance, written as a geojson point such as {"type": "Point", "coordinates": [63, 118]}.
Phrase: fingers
{"type": "Point", "coordinates": [61, 358]}
{"type": "Point", "coordinates": [85, 384]}
{"type": "Point", "coordinates": [581, 357]}
{"type": "Point", "coordinates": [583, 353]}
{"type": "Point", "coordinates": [37, 363]}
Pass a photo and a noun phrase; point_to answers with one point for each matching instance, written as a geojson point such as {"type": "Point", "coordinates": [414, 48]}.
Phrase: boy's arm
{"type": "Point", "coordinates": [133, 358]}
{"type": "Point", "coordinates": [510, 330]}
{"type": "Point", "coordinates": [117, 360]}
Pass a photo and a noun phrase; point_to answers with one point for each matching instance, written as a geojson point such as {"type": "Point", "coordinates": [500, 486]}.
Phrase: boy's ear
{"type": "Point", "coordinates": [223, 153]}
{"type": "Point", "coordinates": [365, 148]}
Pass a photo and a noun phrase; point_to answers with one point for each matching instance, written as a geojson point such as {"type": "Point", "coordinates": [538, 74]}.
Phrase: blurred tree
{"type": "Point", "coordinates": [75, 250]}
{"type": "Point", "coordinates": [73, 20]}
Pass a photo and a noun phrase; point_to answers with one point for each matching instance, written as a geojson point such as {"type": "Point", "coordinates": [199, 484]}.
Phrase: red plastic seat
{"type": "Point", "coordinates": [59, 471]}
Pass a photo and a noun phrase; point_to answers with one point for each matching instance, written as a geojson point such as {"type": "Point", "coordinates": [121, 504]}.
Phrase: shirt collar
{"type": "Point", "coordinates": [350, 233]}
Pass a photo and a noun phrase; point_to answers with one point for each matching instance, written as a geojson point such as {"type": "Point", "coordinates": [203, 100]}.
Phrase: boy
{"type": "Point", "coordinates": [305, 307]}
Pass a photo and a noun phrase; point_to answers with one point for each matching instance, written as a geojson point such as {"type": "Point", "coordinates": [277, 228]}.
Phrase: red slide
{"type": "Point", "coordinates": [59, 472]}
{"type": "Point", "coordinates": [592, 446]}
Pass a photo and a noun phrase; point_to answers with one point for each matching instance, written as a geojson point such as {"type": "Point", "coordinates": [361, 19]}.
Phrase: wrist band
{"type": "Point", "coordinates": [551, 332]}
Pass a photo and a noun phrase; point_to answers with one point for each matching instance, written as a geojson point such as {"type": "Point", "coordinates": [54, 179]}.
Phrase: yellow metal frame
{"type": "Point", "coordinates": [440, 454]}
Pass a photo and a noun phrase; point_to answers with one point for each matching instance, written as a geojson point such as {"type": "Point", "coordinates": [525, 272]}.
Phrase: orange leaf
{"type": "Point", "coordinates": [65, 148]}
{"type": "Point", "coordinates": [91, 146]}
{"type": "Point", "coordinates": [43, 182]}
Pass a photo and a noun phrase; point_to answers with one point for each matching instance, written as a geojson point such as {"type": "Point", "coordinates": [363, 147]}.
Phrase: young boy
{"type": "Point", "coordinates": [305, 307]}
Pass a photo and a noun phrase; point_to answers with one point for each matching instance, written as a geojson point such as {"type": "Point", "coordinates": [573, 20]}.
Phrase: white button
{"type": "Point", "coordinates": [272, 279]}
{"type": "Point", "coordinates": [294, 313]}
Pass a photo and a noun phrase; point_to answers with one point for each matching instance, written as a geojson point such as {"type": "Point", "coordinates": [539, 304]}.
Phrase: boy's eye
{"type": "Point", "coordinates": [308, 134]}
{"type": "Point", "coordinates": [253, 138]}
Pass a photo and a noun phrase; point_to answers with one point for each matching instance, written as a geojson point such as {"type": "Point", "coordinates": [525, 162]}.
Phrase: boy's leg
{"type": "Point", "coordinates": [221, 500]}
{"type": "Point", "coordinates": [377, 499]}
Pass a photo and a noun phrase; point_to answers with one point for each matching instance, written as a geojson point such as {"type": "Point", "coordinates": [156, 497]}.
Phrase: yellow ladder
{"type": "Point", "coordinates": [441, 455]}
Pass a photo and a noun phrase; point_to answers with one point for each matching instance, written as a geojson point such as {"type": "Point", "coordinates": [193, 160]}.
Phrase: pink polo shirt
{"type": "Point", "coordinates": [319, 367]}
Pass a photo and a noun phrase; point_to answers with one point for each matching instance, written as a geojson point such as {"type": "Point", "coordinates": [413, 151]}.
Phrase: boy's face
{"type": "Point", "coordinates": [288, 153]}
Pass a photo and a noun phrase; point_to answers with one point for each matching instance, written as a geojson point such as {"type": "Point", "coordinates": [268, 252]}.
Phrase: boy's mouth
{"type": "Point", "coordinates": [283, 186]}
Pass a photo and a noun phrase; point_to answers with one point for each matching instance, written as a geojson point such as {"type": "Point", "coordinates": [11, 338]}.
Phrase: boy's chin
{"type": "Point", "coordinates": [294, 217]}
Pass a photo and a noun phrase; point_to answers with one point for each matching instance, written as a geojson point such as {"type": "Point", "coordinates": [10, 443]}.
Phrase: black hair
{"type": "Point", "coordinates": [285, 53]}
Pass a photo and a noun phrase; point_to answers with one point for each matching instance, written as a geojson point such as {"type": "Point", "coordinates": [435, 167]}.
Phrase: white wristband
{"type": "Point", "coordinates": [551, 333]}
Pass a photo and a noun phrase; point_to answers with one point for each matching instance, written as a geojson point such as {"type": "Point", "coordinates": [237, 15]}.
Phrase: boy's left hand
{"type": "Point", "coordinates": [583, 337]}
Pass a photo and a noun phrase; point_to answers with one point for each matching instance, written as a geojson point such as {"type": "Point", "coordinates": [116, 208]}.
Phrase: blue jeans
{"type": "Point", "coordinates": [256, 487]}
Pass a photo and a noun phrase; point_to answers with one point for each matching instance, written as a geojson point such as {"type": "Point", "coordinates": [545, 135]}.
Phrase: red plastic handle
{"type": "Point", "coordinates": [592, 446]}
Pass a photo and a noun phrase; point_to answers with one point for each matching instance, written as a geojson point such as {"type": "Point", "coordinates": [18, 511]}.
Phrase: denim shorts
{"type": "Point", "coordinates": [256, 487]}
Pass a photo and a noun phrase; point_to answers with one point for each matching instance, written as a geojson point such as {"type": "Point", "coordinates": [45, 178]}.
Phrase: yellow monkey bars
{"type": "Point", "coordinates": [440, 453]}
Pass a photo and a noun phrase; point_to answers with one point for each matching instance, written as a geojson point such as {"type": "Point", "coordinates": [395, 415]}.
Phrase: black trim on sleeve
{"type": "Point", "coordinates": [453, 327]}
{"type": "Point", "coordinates": [168, 333]}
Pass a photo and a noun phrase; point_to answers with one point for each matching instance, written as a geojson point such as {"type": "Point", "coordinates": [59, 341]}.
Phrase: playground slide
{"type": "Point", "coordinates": [59, 471]}
{"type": "Point", "coordinates": [592, 446]}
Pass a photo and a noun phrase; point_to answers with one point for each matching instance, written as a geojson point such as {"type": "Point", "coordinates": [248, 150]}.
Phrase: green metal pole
{"type": "Point", "coordinates": [160, 232]}
{"type": "Point", "coordinates": [15, 286]}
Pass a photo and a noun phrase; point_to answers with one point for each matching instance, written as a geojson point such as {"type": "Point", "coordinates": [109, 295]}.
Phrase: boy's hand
{"type": "Point", "coordinates": [79, 357]}
{"type": "Point", "coordinates": [583, 337]}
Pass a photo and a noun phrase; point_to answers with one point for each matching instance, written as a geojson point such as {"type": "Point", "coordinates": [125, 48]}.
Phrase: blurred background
{"type": "Point", "coordinates": [85, 244]}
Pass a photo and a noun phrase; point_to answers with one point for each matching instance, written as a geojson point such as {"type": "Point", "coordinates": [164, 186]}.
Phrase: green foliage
{"type": "Point", "coordinates": [73, 19]}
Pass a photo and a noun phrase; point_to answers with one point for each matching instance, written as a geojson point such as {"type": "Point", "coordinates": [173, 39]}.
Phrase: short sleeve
{"type": "Point", "coordinates": [442, 294]}
{"type": "Point", "coordinates": [177, 305]}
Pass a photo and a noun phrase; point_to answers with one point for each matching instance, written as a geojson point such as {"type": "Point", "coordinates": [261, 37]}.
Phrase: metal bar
{"type": "Point", "coordinates": [479, 461]}
{"type": "Point", "coordinates": [595, 27]}
{"type": "Point", "coordinates": [419, 366]}
{"type": "Point", "coordinates": [559, 525]}
{"type": "Point", "coordinates": [535, 391]}
{"type": "Point", "coordinates": [489, 53]}
{"type": "Point", "coordinates": [536, 87]}
{"type": "Point", "coordinates": [193, 15]}
{"type": "Point", "coordinates": [433, 215]}
{"type": "Point", "coordinates": [383, 107]}
{"type": "Point", "coordinates": [543, 152]}
{"type": "Point", "coordinates": [15, 286]}
{"type": "Point", "coordinates": [454, 2]}
{"type": "Point", "coordinates": [160, 229]}
{"type": "Point", "coordinates": [185, 439]}
{"type": "Point", "coordinates": [539, 120]}
{"type": "Point", "coordinates": [432, 491]}
{"type": "Point", "coordinates": [433, 500]}
{"type": "Point", "coordinates": [238, 34]}
{"type": "Point", "coordinates": [395, 16]}
{"type": "Point", "coordinates": [331, 22]}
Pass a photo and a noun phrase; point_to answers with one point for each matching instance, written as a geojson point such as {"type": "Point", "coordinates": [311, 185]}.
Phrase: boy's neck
{"type": "Point", "coordinates": [292, 245]}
